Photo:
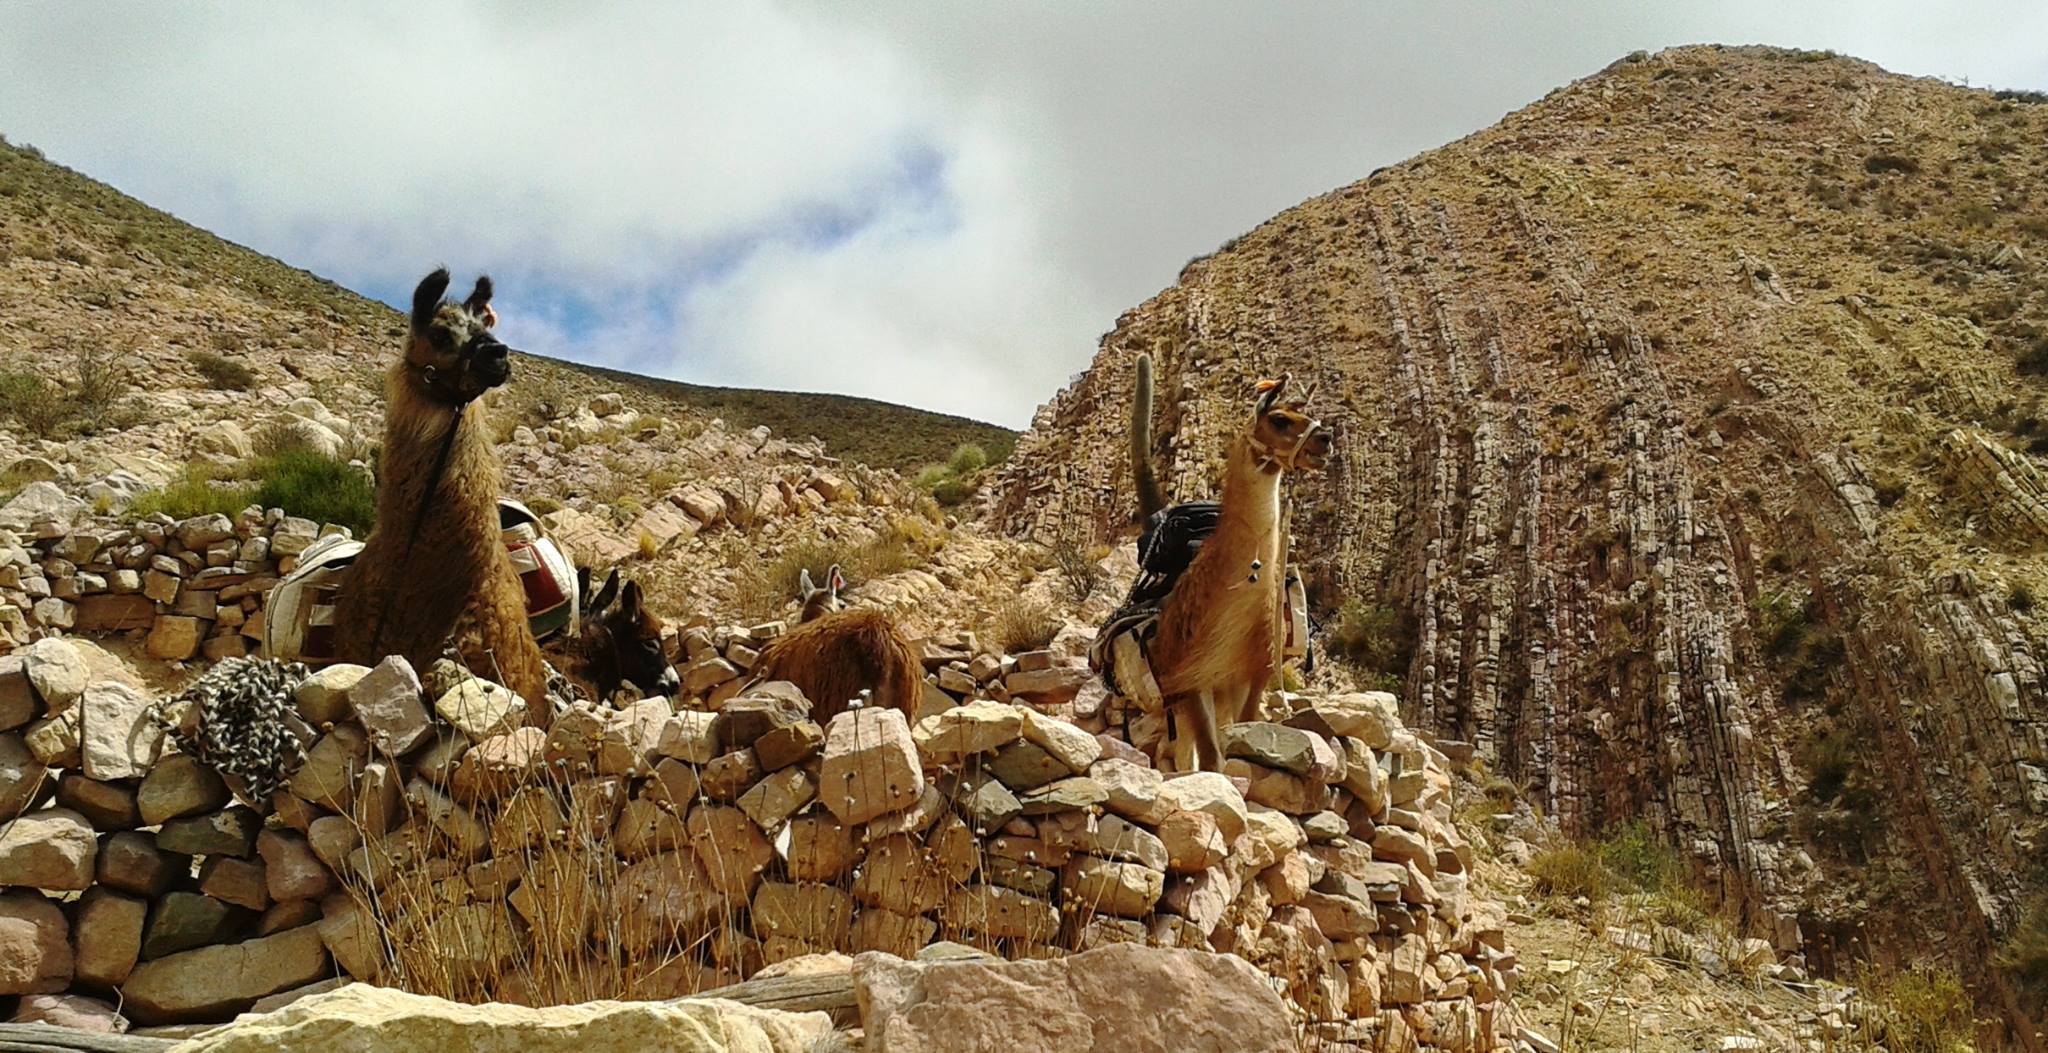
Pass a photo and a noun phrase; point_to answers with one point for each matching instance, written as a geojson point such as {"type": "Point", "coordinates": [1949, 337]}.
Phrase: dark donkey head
{"type": "Point", "coordinates": [451, 354]}
{"type": "Point", "coordinates": [621, 642]}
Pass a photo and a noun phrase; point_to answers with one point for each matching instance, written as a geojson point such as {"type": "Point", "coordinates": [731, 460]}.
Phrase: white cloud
{"type": "Point", "coordinates": [939, 204]}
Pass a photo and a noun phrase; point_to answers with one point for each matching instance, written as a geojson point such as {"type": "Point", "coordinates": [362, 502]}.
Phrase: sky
{"type": "Point", "coordinates": [941, 205]}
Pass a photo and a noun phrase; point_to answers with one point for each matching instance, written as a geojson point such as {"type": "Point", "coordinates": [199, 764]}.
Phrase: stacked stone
{"type": "Point", "coordinates": [688, 848]}
{"type": "Point", "coordinates": [196, 586]}
{"type": "Point", "coordinates": [124, 868]}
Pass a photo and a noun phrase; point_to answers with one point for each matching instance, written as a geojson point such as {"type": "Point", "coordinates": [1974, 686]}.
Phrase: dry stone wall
{"type": "Point", "coordinates": [430, 840]}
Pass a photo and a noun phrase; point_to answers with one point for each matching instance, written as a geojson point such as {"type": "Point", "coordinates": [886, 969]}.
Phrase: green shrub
{"type": "Point", "coordinates": [952, 492]}
{"type": "Point", "coordinates": [1920, 1009]}
{"type": "Point", "coordinates": [1638, 856]}
{"type": "Point", "coordinates": [195, 493]}
{"type": "Point", "coordinates": [1375, 639]}
{"type": "Point", "coordinates": [314, 486]}
{"type": "Point", "coordinates": [968, 458]}
{"type": "Point", "coordinates": [224, 373]}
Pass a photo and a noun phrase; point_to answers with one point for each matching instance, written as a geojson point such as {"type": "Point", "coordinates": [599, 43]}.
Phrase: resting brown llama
{"type": "Point", "coordinates": [1219, 632]}
{"type": "Point", "coordinates": [834, 655]}
{"type": "Point", "coordinates": [618, 643]}
{"type": "Point", "coordinates": [436, 558]}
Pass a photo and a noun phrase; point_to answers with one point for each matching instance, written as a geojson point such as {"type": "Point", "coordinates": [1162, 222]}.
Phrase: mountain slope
{"type": "Point", "coordinates": [85, 266]}
{"type": "Point", "coordinates": [1691, 420]}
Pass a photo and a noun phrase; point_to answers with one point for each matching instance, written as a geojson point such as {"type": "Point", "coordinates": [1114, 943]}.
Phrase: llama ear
{"type": "Point", "coordinates": [605, 594]}
{"type": "Point", "coordinates": [835, 580]}
{"type": "Point", "coordinates": [1269, 393]}
{"type": "Point", "coordinates": [427, 299]}
{"type": "Point", "coordinates": [804, 587]}
{"type": "Point", "coordinates": [479, 302]}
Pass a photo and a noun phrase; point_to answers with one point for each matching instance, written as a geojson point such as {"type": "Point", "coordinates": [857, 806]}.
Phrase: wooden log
{"type": "Point", "coordinates": [43, 1038]}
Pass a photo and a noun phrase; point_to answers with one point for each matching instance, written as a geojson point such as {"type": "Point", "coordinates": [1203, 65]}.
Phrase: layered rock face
{"type": "Point", "coordinates": [1687, 468]}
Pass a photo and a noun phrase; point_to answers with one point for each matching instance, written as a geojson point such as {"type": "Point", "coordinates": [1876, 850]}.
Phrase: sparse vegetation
{"type": "Point", "coordinates": [1025, 625]}
{"type": "Point", "coordinates": [1376, 640]}
{"type": "Point", "coordinates": [768, 587]}
{"type": "Point", "coordinates": [958, 479]}
{"type": "Point", "coordinates": [224, 373]}
{"type": "Point", "coordinates": [1922, 1008]}
{"type": "Point", "coordinates": [304, 483]}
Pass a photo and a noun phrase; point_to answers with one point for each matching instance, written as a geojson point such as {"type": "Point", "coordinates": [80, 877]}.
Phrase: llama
{"type": "Point", "coordinates": [620, 643]}
{"type": "Point", "coordinates": [437, 559]}
{"type": "Point", "coordinates": [834, 655]}
{"type": "Point", "coordinates": [1210, 608]}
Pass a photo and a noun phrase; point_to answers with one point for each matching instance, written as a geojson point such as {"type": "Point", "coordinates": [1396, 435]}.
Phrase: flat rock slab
{"type": "Point", "coordinates": [1124, 998]}
{"type": "Point", "coordinates": [215, 983]}
{"type": "Point", "coordinates": [361, 1018]}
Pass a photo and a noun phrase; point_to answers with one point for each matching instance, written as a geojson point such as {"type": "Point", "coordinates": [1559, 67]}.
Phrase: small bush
{"type": "Point", "coordinates": [1078, 567]}
{"type": "Point", "coordinates": [2024, 952]}
{"type": "Point", "coordinates": [224, 373]}
{"type": "Point", "coordinates": [34, 403]}
{"type": "Point", "coordinates": [1878, 164]}
{"type": "Point", "coordinates": [282, 435]}
{"type": "Point", "coordinates": [194, 494]}
{"type": "Point", "coordinates": [318, 487]}
{"type": "Point", "coordinates": [1920, 1009]}
{"type": "Point", "coordinates": [1570, 871]}
{"type": "Point", "coordinates": [1025, 625]}
{"type": "Point", "coordinates": [967, 459]}
{"type": "Point", "coordinates": [952, 492]}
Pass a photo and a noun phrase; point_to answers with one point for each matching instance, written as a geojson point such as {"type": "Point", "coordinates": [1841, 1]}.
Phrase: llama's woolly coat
{"type": "Point", "coordinates": [409, 592]}
{"type": "Point", "coordinates": [834, 657]}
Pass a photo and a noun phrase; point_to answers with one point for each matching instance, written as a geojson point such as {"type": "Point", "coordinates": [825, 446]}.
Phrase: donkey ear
{"type": "Point", "coordinates": [479, 302]}
{"type": "Point", "coordinates": [427, 299]}
{"type": "Point", "coordinates": [583, 583]}
{"type": "Point", "coordinates": [605, 594]}
{"type": "Point", "coordinates": [629, 600]}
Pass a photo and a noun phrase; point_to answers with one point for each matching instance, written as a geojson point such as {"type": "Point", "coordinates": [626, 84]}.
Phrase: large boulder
{"type": "Point", "coordinates": [361, 1018]}
{"type": "Point", "coordinates": [50, 849]}
{"type": "Point", "coordinates": [1121, 997]}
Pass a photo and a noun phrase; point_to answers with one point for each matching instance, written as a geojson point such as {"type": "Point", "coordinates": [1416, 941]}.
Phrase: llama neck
{"type": "Point", "coordinates": [1251, 502]}
{"type": "Point", "coordinates": [416, 428]}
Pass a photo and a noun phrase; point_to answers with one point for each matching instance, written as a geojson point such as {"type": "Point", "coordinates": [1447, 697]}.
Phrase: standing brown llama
{"type": "Point", "coordinates": [437, 558]}
{"type": "Point", "coordinates": [1219, 633]}
{"type": "Point", "coordinates": [833, 655]}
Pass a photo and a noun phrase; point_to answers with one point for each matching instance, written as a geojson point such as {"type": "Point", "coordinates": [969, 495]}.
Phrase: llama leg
{"type": "Point", "coordinates": [1208, 742]}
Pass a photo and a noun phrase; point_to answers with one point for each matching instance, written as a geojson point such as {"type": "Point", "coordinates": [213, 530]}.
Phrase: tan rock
{"type": "Point", "coordinates": [237, 881]}
{"type": "Point", "coordinates": [871, 765]}
{"type": "Point", "coordinates": [730, 847]}
{"type": "Point", "coordinates": [1000, 912]}
{"type": "Point", "coordinates": [899, 875]}
{"type": "Point", "coordinates": [480, 709]}
{"type": "Point", "coordinates": [386, 701]}
{"type": "Point", "coordinates": [328, 776]}
{"type": "Point", "coordinates": [118, 738]}
{"type": "Point", "coordinates": [980, 726]}
{"type": "Point", "coordinates": [1127, 890]}
{"type": "Point", "coordinates": [178, 786]}
{"type": "Point", "coordinates": [1193, 840]}
{"type": "Point", "coordinates": [131, 862]}
{"type": "Point", "coordinates": [1125, 996]}
{"type": "Point", "coordinates": [367, 1018]}
{"type": "Point", "coordinates": [175, 637]}
{"type": "Point", "coordinates": [815, 914]}
{"type": "Point", "coordinates": [107, 936]}
{"type": "Point", "coordinates": [52, 849]}
{"type": "Point", "coordinates": [322, 698]}
{"type": "Point", "coordinates": [662, 899]}
{"type": "Point", "coordinates": [217, 982]}
{"type": "Point", "coordinates": [71, 1012]}
{"type": "Point", "coordinates": [493, 767]}
{"type": "Point", "coordinates": [291, 870]}
{"type": "Point", "coordinates": [35, 951]}
{"type": "Point", "coordinates": [903, 935]}
{"type": "Point", "coordinates": [777, 797]}
{"type": "Point", "coordinates": [646, 827]}
{"type": "Point", "coordinates": [1207, 792]}
{"type": "Point", "coordinates": [818, 847]}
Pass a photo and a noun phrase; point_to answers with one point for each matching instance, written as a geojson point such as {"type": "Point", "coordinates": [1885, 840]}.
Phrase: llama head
{"type": "Point", "coordinates": [816, 600]}
{"type": "Point", "coordinates": [622, 641]}
{"type": "Point", "coordinates": [451, 352]}
{"type": "Point", "coordinates": [1288, 437]}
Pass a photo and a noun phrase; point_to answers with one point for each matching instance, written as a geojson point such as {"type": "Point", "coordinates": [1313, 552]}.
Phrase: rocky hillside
{"type": "Point", "coordinates": [102, 292]}
{"type": "Point", "coordinates": [1691, 467]}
